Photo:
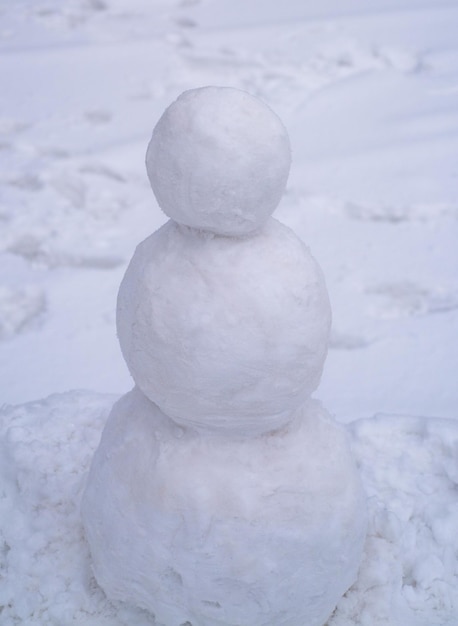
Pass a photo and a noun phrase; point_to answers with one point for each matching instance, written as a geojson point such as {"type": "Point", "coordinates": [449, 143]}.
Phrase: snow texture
{"type": "Point", "coordinates": [224, 332]}
{"type": "Point", "coordinates": [219, 160]}
{"type": "Point", "coordinates": [409, 573]}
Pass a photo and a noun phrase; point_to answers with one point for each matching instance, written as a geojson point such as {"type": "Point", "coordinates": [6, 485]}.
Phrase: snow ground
{"type": "Point", "coordinates": [369, 93]}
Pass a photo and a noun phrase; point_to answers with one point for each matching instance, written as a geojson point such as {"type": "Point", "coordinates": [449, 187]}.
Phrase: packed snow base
{"type": "Point", "coordinates": [409, 573]}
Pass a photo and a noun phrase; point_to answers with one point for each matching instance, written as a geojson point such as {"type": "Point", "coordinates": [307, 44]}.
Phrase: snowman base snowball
{"type": "Point", "coordinates": [211, 529]}
{"type": "Point", "coordinates": [221, 494]}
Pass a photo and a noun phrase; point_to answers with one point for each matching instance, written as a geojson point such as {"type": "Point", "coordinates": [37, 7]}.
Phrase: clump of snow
{"type": "Point", "coordinates": [409, 573]}
{"type": "Point", "coordinates": [219, 160]}
{"type": "Point", "coordinates": [218, 529]}
{"type": "Point", "coordinates": [45, 449]}
{"type": "Point", "coordinates": [224, 332]}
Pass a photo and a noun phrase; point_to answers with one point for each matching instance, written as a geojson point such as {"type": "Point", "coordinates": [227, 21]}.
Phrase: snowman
{"type": "Point", "coordinates": [221, 494]}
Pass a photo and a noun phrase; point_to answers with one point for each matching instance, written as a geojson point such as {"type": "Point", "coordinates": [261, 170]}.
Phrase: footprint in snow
{"type": "Point", "coordinates": [400, 213]}
{"type": "Point", "coordinates": [98, 117]}
{"type": "Point", "coordinates": [26, 182]}
{"type": "Point", "coordinates": [11, 127]}
{"type": "Point", "coordinates": [99, 169]}
{"type": "Point", "coordinates": [405, 298]}
{"type": "Point", "coordinates": [341, 340]}
{"type": "Point", "coordinates": [20, 310]}
{"type": "Point", "coordinates": [185, 22]}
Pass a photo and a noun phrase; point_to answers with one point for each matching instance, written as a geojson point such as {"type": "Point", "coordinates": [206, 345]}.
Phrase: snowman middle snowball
{"type": "Point", "coordinates": [223, 331]}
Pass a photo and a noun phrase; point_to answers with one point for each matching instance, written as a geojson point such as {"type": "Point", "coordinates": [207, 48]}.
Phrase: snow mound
{"type": "Point", "coordinates": [45, 574]}
{"type": "Point", "coordinates": [409, 574]}
{"type": "Point", "coordinates": [219, 160]}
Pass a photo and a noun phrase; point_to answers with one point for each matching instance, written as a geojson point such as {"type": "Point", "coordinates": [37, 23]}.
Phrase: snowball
{"type": "Point", "coordinates": [224, 332]}
{"type": "Point", "coordinates": [219, 160]}
{"type": "Point", "coordinates": [208, 529]}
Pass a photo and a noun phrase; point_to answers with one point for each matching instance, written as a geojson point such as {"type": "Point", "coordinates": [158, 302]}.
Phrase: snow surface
{"type": "Point", "coordinates": [369, 95]}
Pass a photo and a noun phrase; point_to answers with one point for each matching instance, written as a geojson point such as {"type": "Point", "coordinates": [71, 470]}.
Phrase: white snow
{"type": "Point", "coordinates": [369, 96]}
{"type": "Point", "coordinates": [224, 332]}
{"type": "Point", "coordinates": [211, 529]}
{"type": "Point", "coordinates": [219, 160]}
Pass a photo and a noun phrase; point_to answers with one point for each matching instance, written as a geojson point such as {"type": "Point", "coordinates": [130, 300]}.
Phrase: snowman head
{"type": "Point", "coordinates": [219, 160]}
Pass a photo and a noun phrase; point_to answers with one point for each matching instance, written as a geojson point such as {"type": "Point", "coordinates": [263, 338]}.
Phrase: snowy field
{"type": "Point", "coordinates": [369, 94]}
